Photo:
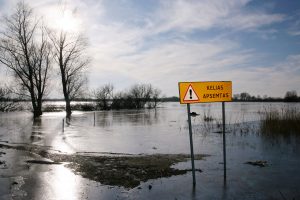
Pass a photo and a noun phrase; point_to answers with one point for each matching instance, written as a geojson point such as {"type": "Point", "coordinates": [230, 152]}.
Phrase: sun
{"type": "Point", "coordinates": [63, 20]}
{"type": "Point", "coordinates": [67, 22]}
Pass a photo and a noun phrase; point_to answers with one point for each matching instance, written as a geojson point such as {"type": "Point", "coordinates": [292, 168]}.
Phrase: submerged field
{"type": "Point", "coordinates": [151, 149]}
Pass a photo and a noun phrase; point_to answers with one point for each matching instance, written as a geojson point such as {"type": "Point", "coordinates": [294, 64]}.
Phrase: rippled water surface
{"type": "Point", "coordinates": [163, 130]}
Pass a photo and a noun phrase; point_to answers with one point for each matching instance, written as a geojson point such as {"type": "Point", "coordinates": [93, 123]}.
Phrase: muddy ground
{"type": "Point", "coordinates": [123, 170]}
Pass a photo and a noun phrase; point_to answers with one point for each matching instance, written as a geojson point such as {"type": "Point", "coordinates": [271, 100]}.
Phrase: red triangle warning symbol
{"type": "Point", "coordinates": [190, 94]}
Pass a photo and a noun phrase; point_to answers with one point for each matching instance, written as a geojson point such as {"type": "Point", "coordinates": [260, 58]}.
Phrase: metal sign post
{"type": "Point", "coordinates": [205, 92]}
{"type": "Point", "coordinates": [191, 143]}
{"type": "Point", "coordinates": [224, 139]}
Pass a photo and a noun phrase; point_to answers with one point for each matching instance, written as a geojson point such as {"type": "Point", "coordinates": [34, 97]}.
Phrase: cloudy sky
{"type": "Point", "coordinates": [255, 44]}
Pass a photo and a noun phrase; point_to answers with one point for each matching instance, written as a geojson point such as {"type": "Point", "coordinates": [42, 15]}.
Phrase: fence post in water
{"type": "Point", "coordinates": [224, 139]}
{"type": "Point", "coordinates": [63, 125]}
{"type": "Point", "coordinates": [94, 118]}
{"type": "Point", "coordinates": [191, 143]}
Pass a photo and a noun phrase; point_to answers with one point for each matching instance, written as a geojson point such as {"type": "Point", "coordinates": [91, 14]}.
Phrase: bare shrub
{"type": "Point", "coordinates": [6, 102]}
{"type": "Point", "coordinates": [104, 96]}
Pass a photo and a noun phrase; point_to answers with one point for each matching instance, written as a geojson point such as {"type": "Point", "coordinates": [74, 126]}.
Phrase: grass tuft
{"type": "Point", "coordinates": [284, 121]}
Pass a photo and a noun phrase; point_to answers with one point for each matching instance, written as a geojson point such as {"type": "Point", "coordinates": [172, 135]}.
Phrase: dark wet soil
{"type": "Point", "coordinates": [44, 162]}
{"type": "Point", "coordinates": [123, 170]}
{"type": "Point", "coordinates": [260, 163]}
{"type": "Point", "coordinates": [2, 162]}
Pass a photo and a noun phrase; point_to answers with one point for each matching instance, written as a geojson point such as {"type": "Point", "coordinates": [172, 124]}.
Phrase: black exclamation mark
{"type": "Point", "coordinates": [191, 94]}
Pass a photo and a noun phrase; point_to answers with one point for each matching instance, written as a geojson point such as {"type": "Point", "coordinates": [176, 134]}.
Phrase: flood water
{"type": "Point", "coordinates": [163, 130]}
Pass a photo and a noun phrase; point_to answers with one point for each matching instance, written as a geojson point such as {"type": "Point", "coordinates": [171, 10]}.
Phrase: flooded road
{"type": "Point", "coordinates": [160, 131]}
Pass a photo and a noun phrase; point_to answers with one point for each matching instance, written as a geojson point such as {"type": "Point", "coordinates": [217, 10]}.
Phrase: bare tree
{"type": "Point", "coordinates": [244, 96]}
{"type": "Point", "coordinates": [103, 95]}
{"type": "Point", "coordinates": [155, 98]}
{"type": "Point", "coordinates": [69, 53]}
{"type": "Point", "coordinates": [141, 94]}
{"type": "Point", "coordinates": [25, 51]}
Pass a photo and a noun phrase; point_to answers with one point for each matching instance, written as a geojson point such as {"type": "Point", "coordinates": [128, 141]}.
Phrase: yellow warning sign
{"type": "Point", "coordinates": [202, 92]}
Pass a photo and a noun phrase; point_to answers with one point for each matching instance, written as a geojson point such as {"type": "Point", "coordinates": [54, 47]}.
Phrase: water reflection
{"type": "Point", "coordinates": [103, 119]}
{"type": "Point", "coordinates": [15, 126]}
{"type": "Point", "coordinates": [224, 191]}
{"type": "Point", "coordinates": [55, 182]}
{"type": "Point", "coordinates": [36, 134]}
{"type": "Point", "coordinates": [144, 118]}
{"type": "Point", "coordinates": [134, 117]}
{"type": "Point", "coordinates": [282, 143]}
{"type": "Point", "coordinates": [65, 185]}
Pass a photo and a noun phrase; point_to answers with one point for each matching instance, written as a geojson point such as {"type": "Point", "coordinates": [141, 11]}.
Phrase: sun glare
{"type": "Point", "coordinates": [66, 21]}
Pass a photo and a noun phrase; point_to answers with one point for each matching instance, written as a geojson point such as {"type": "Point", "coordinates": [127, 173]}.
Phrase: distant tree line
{"type": "Point", "coordinates": [136, 97]}
{"type": "Point", "coordinates": [290, 96]}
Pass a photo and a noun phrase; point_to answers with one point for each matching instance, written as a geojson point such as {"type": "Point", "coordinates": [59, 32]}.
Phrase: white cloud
{"type": "Point", "coordinates": [187, 15]}
{"type": "Point", "coordinates": [295, 27]}
{"type": "Point", "coordinates": [250, 21]}
{"type": "Point", "coordinates": [166, 64]}
{"type": "Point", "coordinates": [273, 80]}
